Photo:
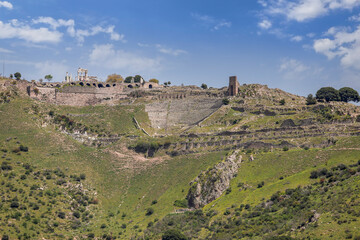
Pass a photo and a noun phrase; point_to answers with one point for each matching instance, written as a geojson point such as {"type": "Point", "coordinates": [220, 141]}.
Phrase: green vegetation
{"type": "Point", "coordinates": [17, 75]}
{"type": "Point", "coordinates": [55, 185]}
{"type": "Point", "coordinates": [115, 78]}
{"type": "Point", "coordinates": [48, 77]}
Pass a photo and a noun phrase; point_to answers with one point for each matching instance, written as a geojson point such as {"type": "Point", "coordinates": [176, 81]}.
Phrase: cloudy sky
{"type": "Point", "coordinates": [296, 45]}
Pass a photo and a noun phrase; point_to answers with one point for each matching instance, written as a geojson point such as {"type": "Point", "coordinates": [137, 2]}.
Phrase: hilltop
{"type": "Point", "coordinates": [139, 157]}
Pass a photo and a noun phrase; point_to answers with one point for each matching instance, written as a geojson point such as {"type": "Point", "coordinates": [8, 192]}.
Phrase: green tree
{"type": "Point", "coordinates": [168, 83]}
{"type": "Point", "coordinates": [48, 77]}
{"type": "Point", "coordinates": [137, 78]}
{"type": "Point", "coordinates": [348, 94]}
{"type": "Point", "coordinates": [17, 75]}
{"type": "Point", "coordinates": [282, 102]}
{"type": "Point", "coordinates": [204, 86]}
{"type": "Point", "coordinates": [114, 78]}
{"type": "Point", "coordinates": [173, 234]}
{"type": "Point", "coordinates": [11, 76]}
{"type": "Point", "coordinates": [328, 94]}
{"type": "Point", "coordinates": [310, 100]}
{"type": "Point", "coordinates": [154, 80]}
{"type": "Point", "coordinates": [128, 79]}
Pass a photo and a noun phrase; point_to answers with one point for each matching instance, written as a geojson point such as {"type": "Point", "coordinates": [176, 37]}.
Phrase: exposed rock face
{"type": "Point", "coordinates": [209, 185]}
{"type": "Point", "coordinates": [189, 111]}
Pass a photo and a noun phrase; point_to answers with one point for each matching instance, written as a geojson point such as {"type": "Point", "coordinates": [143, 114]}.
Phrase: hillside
{"type": "Point", "coordinates": [129, 181]}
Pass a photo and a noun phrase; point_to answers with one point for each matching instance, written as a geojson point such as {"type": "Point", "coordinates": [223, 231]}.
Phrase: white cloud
{"type": "Point", "coordinates": [79, 34]}
{"type": "Point", "coordinates": [296, 38]}
{"type": "Point", "coordinates": [211, 22]}
{"type": "Point", "coordinates": [107, 57]}
{"type": "Point", "coordinates": [16, 29]}
{"type": "Point", "coordinates": [265, 24]}
{"type": "Point", "coordinates": [355, 18]}
{"type": "Point", "coordinates": [170, 51]}
{"type": "Point", "coordinates": [6, 4]}
{"type": "Point", "coordinates": [293, 66]}
{"type": "Point", "coordinates": [343, 44]}
{"type": "Point", "coordinates": [3, 50]}
{"type": "Point", "coordinates": [163, 49]}
{"type": "Point", "coordinates": [302, 10]}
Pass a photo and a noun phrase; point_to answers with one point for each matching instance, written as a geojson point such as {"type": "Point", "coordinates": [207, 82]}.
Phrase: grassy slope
{"type": "Point", "coordinates": [120, 190]}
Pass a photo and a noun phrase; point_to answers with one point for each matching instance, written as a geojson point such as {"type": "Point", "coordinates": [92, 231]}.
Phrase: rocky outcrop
{"type": "Point", "coordinates": [209, 185]}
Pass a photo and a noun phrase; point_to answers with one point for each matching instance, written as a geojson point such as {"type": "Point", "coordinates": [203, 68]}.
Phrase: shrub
{"type": "Point", "coordinates": [181, 203]}
{"type": "Point", "coordinates": [103, 225]}
{"type": "Point", "coordinates": [226, 101]}
{"type": "Point", "coordinates": [14, 204]}
{"type": "Point", "coordinates": [154, 202]}
{"type": "Point", "coordinates": [82, 176]}
{"type": "Point", "coordinates": [204, 86]}
{"type": "Point", "coordinates": [314, 174]}
{"type": "Point", "coordinates": [173, 234]}
{"type": "Point", "coordinates": [286, 148]}
{"type": "Point", "coordinates": [260, 185]}
{"type": "Point", "coordinates": [61, 215]}
{"type": "Point", "coordinates": [153, 80]}
{"type": "Point", "coordinates": [23, 148]}
{"type": "Point", "coordinates": [149, 211]}
{"type": "Point", "coordinates": [76, 214]}
{"type": "Point", "coordinates": [282, 102]}
{"type": "Point", "coordinates": [310, 100]}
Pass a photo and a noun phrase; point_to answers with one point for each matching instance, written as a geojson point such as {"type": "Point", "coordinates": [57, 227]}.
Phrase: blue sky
{"type": "Point", "coordinates": [297, 45]}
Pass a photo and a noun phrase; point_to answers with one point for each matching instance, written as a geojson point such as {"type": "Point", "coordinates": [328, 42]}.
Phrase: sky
{"type": "Point", "coordinates": [296, 45]}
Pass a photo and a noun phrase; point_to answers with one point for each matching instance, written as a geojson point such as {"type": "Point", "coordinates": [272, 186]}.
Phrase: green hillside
{"type": "Point", "coordinates": [90, 172]}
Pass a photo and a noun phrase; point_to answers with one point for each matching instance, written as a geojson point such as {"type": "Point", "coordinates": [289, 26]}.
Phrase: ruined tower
{"type": "Point", "coordinates": [233, 86]}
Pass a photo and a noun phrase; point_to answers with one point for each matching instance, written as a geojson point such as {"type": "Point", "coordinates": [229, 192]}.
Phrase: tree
{"type": "Point", "coordinates": [348, 94]}
{"type": "Point", "coordinates": [173, 234]}
{"type": "Point", "coordinates": [48, 77]}
{"type": "Point", "coordinates": [128, 79]}
{"type": "Point", "coordinates": [168, 83]}
{"type": "Point", "coordinates": [204, 86]}
{"type": "Point", "coordinates": [282, 102]}
{"type": "Point", "coordinates": [154, 80]}
{"type": "Point", "coordinates": [11, 76]}
{"type": "Point", "coordinates": [165, 83]}
{"type": "Point", "coordinates": [310, 100]}
{"type": "Point", "coordinates": [17, 75]}
{"type": "Point", "coordinates": [328, 94]}
{"type": "Point", "coordinates": [114, 78]}
{"type": "Point", "coordinates": [137, 78]}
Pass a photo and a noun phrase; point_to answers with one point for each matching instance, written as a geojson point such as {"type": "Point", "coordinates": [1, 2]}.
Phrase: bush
{"type": "Point", "coordinates": [173, 234]}
{"type": "Point", "coordinates": [204, 86]}
{"type": "Point", "coordinates": [310, 100]}
{"type": "Point", "coordinates": [286, 148]}
{"type": "Point", "coordinates": [314, 175]}
{"type": "Point", "coordinates": [153, 80]}
{"type": "Point", "coordinates": [282, 102]}
{"type": "Point", "coordinates": [181, 203]}
{"type": "Point", "coordinates": [61, 215]}
{"type": "Point", "coordinates": [154, 202]}
{"type": "Point", "coordinates": [103, 225]}
{"type": "Point", "coordinates": [149, 211]}
{"type": "Point", "coordinates": [226, 101]}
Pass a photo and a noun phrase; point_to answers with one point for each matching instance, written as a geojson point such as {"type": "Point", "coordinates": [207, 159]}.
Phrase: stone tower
{"type": "Point", "coordinates": [234, 85]}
